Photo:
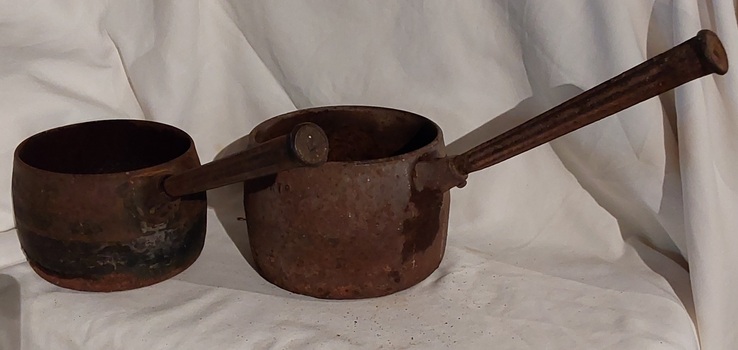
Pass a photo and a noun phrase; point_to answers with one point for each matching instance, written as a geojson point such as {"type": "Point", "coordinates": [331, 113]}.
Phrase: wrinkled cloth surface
{"type": "Point", "coordinates": [617, 236]}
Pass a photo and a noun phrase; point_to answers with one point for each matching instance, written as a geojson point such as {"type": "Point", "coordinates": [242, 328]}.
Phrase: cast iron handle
{"type": "Point", "coordinates": [306, 145]}
{"type": "Point", "coordinates": [699, 56]}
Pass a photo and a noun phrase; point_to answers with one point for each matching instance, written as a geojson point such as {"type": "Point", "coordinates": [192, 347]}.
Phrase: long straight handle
{"type": "Point", "coordinates": [699, 56]}
{"type": "Point", "coordinates": [306, 145]}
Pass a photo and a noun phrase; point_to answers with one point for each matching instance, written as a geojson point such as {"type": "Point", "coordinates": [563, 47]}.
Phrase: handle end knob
{"type": "Point", "coordinates": [309, 144]}
{"type": "Point", "coordinates": [713, 52]}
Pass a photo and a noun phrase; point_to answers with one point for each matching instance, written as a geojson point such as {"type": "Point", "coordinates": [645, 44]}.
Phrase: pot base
{"type": "Point", "coordinates": [113, 282]}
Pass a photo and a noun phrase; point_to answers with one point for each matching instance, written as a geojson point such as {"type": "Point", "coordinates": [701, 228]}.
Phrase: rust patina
{"type": "Point", "coordinates": [89, 210]}
{"type": "Point", "coordinates": [373, 219]}
{"type": "Point", "coordinates": [355, 226]}
{"type": "Point", "coordinates": [120, 204]}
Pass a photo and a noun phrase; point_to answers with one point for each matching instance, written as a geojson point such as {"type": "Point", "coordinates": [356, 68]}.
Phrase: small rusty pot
{"type": "Point", "coordinates": [373, 219]}
{"type": "Point", "coordinates": [355, 226]}
{"type": "Point", "coordinates": [120, 204]}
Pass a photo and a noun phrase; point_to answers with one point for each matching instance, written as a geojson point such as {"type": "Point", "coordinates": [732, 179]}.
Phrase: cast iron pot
{"type": "Point", "coordinates": [120, 204]}
{"type": "Point", "coordinates": [373, 219]}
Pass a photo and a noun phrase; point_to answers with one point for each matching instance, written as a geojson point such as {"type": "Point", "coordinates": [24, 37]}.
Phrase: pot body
{"type": "Point", "coordinates": [354, 227]}
{"type": "Point", "coordinates": [89, 208]}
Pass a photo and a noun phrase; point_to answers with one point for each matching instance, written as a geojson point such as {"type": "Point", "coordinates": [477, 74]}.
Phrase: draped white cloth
{"type": "Point", "coordinates": [619, 235]}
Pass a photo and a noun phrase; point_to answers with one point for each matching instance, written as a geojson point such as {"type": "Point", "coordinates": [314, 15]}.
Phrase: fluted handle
{"type": "Point", "coordinates": [699, 56]}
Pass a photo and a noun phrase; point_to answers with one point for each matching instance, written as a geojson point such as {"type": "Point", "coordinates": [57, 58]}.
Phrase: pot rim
{"type": "Point", "coordinates": [139, 171]}
{"type": "Point", "coordinates": [414, 154]}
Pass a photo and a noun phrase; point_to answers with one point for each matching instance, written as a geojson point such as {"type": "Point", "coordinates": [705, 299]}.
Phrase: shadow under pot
{"type": "Point", "coordinates": [120, 204]}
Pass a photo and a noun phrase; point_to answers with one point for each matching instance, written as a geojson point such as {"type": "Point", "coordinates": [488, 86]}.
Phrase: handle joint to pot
{"type": "Point", "coordinates": [438, 174]}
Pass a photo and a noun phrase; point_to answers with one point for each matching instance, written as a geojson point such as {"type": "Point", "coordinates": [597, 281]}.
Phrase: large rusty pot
{"type": "Point", "coordinates": [119, 204]}
{"type": "Point", "coordinates": [373, 219]}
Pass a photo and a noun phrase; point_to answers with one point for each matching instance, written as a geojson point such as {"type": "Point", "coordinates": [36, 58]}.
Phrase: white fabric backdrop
{"type": "Point", "coordinates": [616, 236]}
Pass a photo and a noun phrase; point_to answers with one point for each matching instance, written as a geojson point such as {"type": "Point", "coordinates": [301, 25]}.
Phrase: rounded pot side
{"type": "Point", "coordinates": [108, 231]}
{"type": "Point", "coordinates": [351, 229]}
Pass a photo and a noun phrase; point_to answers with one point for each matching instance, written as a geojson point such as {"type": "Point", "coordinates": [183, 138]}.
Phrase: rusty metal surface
{"type": "Point", "coordinates": [89, 210]}
{"type": "Point", "coordinates": [354, 227]}
{"type": "Point", "coordinates": [305, 145]}
{"type": "Point", "coordinates": [373, 220]}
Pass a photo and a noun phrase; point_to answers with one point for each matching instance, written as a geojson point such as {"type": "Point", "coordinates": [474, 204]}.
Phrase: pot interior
{"type": "Point", "coordinates": [358, 134]}
{"type": "Point", "coordinates": [103, 147]}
